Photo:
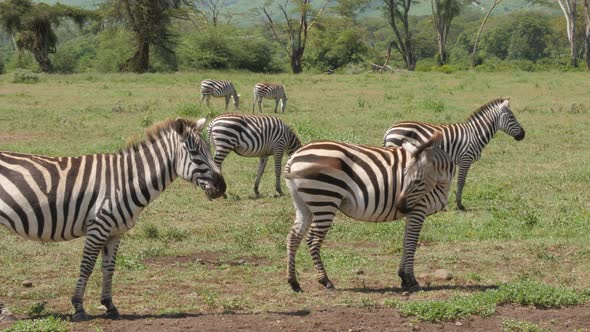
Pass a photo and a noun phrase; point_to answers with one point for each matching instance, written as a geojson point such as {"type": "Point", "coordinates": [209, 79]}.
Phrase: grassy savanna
{"type": "Point", "coordinates": [528, 210]}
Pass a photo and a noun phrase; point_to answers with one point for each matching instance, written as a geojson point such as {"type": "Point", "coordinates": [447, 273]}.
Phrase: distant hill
{"type": "Point", "coordinates": [419, 9]}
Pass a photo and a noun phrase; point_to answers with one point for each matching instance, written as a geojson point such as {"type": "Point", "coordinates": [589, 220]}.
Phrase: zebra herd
{"type": "Point", "coordinates": [100, 196]}
{"type": "Point", "coordinates": [226, 89]}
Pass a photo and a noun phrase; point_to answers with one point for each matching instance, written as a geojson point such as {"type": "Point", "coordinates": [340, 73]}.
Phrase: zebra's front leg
{"type": "Point", "coordinates": [319, 228]}
{"type": "Point", "coordinates": [5, 314]}
{"type": "Point", "coordinates": [276, 105]}
{"type": "Point", "coordinates": [109, 256]}
{"type": "Point", "coordinates": [278, 157]}
{"type": "Point", "coordinates": [463, 169]}
{"type": "Point", "coordinates": [227, 101]}
{"type": "Point", "coordinates": [261, 167]}
{"type": "Point", "coordinates": [95, 241]}
{"type": "Point", "coordinates": [414, 221]}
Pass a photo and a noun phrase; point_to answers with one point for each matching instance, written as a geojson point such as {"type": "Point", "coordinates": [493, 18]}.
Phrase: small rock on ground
{"type": "Point", "coordinates": [442, 274]}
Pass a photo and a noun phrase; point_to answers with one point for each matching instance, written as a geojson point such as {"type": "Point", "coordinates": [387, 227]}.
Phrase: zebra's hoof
{"type": "Point", "coordinates": [113, 314]}
{"type": "Point", "coordinates": [412, 289]}
{"type": "Point", "coordinates": [328, 285]}
{"type": "Point", "coordinates": [295, 286]}
{"type": "Point", "coordinates": [461, 207]}
{"type": "Point", "coordinates": [80, 316]}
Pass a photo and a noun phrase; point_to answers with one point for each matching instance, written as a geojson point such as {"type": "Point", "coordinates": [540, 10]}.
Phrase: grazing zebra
{"type": "Point", "coordinates": [101, 196]}
{"type": "Point", "coordinates": [253, 136]}
{"type": "Point", "coordinates": [365, 183]}
{"type": "Point", "coordinates": [463, 141]}
{"type": "Point", "coordinates": [269, 91]}
{"type": "Point", "coordinates": [218, 88]}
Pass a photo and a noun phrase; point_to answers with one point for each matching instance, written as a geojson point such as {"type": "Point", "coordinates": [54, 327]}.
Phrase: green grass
{"type": "Point", "coordinates": [49, 324]}
{"type": "Point", "coordinates": [484, 303]}
{"type": "Point", "coordinates": [527, 201]}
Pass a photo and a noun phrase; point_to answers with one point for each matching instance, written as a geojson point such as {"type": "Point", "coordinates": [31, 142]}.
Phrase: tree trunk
{"type": "Point", "coordinates": [139, 62]}
{"type": "Point", "coordinates": [573, 46]}
{"type": "Point", "coordinates": [296, 64]}
{"type": "Point", "coordinates": [44, 62]}
{"type": "Point", "coordinates": [441, 49]}
{"type": "Point", "coordinates": [483, 23]}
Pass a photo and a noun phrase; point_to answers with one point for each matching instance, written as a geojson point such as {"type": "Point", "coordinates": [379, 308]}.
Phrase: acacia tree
{"type": "Point", "coordinates": [396, 12]}
{"type": "Point", "coordinates": [150, 21]}
{"type": "Point", "coordinates": [294, 43]}
{"type": "Point", "coordinates": [31, 26]}
{"type": "Point", "coordinates": [568, 7]}
{"type": "Point", "coordinates": [483, 23]}
{"type": "Point", "coordinates": [443, 13]}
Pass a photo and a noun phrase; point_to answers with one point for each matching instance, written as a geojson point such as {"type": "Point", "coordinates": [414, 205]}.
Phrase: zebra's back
{"type": "Point", "coordinates": [248, 135]}
{"type": "Point", "coordinates": [362, 181]}
{"type": "Point", "coordinates": [217, 88]}
{"type": "Point", "coordinates": [45, 198]}
{"type": "Point", "coordinates": [269, 90]}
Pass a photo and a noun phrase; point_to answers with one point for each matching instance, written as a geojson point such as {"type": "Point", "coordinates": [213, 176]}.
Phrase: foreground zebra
{"type": "Point", "coordinates": [253, 136]}
{"type": "Point", "coordinates": [463, 141]}
{"type": "Point", "coordinates": [218, 88]}
{"type": "Point", "coordinates": [101, 196]}
{"type": "Point", "coordinates": [365, 183]}
{"type": "Point", "coordinates": [269, 91]}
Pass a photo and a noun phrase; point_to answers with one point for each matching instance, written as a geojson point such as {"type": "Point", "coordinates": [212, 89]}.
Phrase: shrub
{"type": "Point", "coordinates": [24, 76]}
{"type": "Point", "coordinates": [64, 61]}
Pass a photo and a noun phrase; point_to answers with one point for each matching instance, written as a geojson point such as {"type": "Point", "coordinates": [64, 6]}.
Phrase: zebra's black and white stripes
{"type": "Point", "coordinates": [365, 183]}
{"type": "Point", "coordinates": [219, 88]}
{"type": "Point", "coordinates": [463, 141]}
{"type": "Point", "coordinates": [101, 196]}
{"type": "Point", "coordinates": [269, 91]}
{"type": "Point", "coordinates": [253, 136]}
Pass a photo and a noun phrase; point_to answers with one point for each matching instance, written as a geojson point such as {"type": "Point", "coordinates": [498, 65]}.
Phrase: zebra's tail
{"type": "Point", "coordinates": [434, 140]}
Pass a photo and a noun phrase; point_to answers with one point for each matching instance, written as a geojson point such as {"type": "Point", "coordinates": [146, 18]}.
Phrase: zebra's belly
{"type": "Point", "coordinates": [245, 152]}
{"type": "Point", "coordinates": [381, 213]}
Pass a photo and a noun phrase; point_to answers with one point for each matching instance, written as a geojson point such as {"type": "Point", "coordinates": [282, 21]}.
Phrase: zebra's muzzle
{"type": "Point", "coordinates": [402, 205]}
{"type": "Point", "coordinates": [520, 136]}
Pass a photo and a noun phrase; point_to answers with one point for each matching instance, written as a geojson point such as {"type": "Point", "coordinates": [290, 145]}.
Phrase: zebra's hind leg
{"type": "Point", "coordinates": [322, 221]}
{"type": "Point", "coordinates": [109, 255]}
{"type": "Point", "coordinates": [95, 240]}
{"type": "Point", "coordinates": [298, 231]}
{"type": "Point", "coordinates": [463, 169]}
{"type": "Point", "coordinates": [278, 157]}
{"type": "Point", "coordinates": [414, 221]}
{"type": "Point", "coordinates": [261, 167]}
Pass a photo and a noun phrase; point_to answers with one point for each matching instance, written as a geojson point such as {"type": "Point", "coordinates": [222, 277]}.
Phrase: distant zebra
{"type": "Point", "coordinates": [368, 184]}
{"type": "Point", "coordinates": [253, 136]}
{"type": "Point", "coordinates": [269, 91]}
{"type": "Point", "coordinates": [101, 196]}
{"type": "Point", "coordinates": [463, 141]}
{"type": "Point", "coordinates": [218, 88]}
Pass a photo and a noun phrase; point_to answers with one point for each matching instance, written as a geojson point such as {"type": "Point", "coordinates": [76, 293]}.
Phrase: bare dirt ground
{"type": "Point", "coordinates": [575, 318]}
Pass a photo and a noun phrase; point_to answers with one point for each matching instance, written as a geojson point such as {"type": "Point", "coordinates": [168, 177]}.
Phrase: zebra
{"type": "Point", "coordinates": [269, 91]}
{"type": "Point", "coordinates": [253, 136]}
{"type": "Point", "coordinates": [463, 141]}
{"type": "Point", "coordinates": [365, 183]}
{"type": "Point", "coordinates": [219, 88]}
{"type": "Point", "coordinates": [101, 196]}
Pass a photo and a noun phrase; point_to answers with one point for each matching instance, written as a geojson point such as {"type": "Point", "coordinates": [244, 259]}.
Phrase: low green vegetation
{"type": "Point", "coordinates": [49, 324]}
{"type": "Point", "coordinates": [513, 325]}
{"type": "Point", "coordinates": [484, 303]}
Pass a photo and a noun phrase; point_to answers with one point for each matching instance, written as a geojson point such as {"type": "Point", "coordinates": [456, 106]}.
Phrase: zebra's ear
{"type": "Point", "coordinates": [506, 103]}
{"type": "Point", "coordinates": [200, 124]}
{"type": "Point", "coordinates": [180, 127]}
{"type": "Point", "coordinates": [411, 148]}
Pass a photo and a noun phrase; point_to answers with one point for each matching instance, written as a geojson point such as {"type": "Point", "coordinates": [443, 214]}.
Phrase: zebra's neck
{"type": "Point", "coordinates": [149, 168]}
{"type": "Point", "coordinates": [483, 125]}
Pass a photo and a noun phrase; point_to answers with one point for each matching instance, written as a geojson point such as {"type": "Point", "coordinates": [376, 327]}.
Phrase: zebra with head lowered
{"type": "Point", "coordinates": [269, 91]}
{"type": "Point", "coordinates": [219, 88]}
{"type": "Point", "coordinates": [368, 184]}
{"type": "Point", "coordinates": [463, 141]}
{"type": "Point", "coordinates": [253, 136]}
{"type": "Point", "coordinates": [101, 196]}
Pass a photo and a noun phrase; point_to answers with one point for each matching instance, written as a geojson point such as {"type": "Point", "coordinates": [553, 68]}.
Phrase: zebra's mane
{"type": "Point", "coordinates": [154, 132]}
{"type": "Point", "coordinates": [487, 107]}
